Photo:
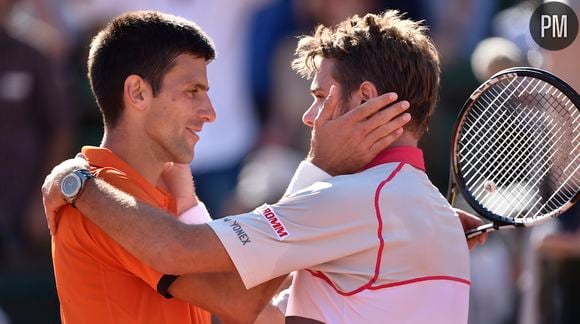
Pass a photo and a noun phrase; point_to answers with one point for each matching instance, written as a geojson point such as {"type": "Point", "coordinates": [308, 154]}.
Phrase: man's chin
{"type": "Point", "coordinates": [184, 159]}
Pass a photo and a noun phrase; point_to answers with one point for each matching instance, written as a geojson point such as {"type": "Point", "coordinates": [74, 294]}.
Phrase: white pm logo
{"type": "Point", "coordinates": [557, 23]}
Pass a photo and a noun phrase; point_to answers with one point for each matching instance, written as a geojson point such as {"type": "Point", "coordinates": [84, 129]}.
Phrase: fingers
{"type": "Point", "coordinates": [387, 128]}
{"type": "Point", "coordinates": [472, 242]}
{"type": "Point", "coordinates": [372, 106]}
{"type": "Point", "coordinates": [386, 115]}
{"type": "Point", "coordinates": [385, 141]}
{"type": "Point", "coordinates": [483, 238]}
{"type": "Point", "coordinates": [52, 202]}
{"type": "Point", "coordinates": [328, 109]}
{"type": "Point", "coordinates": [477, 240]}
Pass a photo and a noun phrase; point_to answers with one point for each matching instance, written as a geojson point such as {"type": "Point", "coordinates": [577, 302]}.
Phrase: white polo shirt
{"type": "Point", "coordinates": [378, 246]}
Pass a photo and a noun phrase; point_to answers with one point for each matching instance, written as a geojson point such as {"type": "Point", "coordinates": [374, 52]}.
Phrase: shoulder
{"type": "Point", "coordinates": [120, 180]}
{"type": "Point", "coordinates": [339, 195]}
{"type": "Point", "coordinates": [404, 180]}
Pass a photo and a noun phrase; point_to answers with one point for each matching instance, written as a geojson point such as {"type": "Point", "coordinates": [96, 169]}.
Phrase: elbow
{"type": "Point", "coordinates": [239, 311]}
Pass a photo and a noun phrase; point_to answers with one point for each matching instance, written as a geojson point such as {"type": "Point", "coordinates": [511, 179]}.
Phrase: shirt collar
{"type": "Point", "coordinates": [101, 157]}
{"type": "Point", "coordinates": [407, 154]}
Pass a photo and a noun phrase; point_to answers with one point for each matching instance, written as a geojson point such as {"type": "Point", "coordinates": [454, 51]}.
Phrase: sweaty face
{"type": "Point", "coordinates": [180, 109]}
{"type": "Point", "coordinates": [320, 87]}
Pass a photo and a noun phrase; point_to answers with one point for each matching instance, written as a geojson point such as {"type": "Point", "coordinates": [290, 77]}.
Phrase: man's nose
{"type": "Point", "coordinates": [309, 116]}
{"type": "Point", "coordinates": [208, 112]}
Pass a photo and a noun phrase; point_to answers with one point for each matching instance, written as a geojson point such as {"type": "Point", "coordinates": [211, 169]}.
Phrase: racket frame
{"type": "Point", "coordinates": [456, 181]}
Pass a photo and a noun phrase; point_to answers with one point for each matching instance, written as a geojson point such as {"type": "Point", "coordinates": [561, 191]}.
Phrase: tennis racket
{"type": "Point", "coordinates": [515, 147]}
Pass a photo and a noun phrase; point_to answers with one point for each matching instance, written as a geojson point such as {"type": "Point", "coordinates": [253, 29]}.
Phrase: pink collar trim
{"type": "Point", "coordinates": [407, 154]}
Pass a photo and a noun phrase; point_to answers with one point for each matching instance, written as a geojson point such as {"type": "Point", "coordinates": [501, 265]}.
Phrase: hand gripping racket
{"type": "Point", "coordinates": [515, 147]}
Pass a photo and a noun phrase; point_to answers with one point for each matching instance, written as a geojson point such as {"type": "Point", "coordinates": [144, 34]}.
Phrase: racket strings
{"type": "Point", "coordinates": [533, 190]}
{"type": "Point", "coordinates": [509, 177]}
{"type": "Point", "coordinates": [513, 138]}
{"type": "Point", "coordinates": [468, 131]}
{"type": "Point", "coordinates": [507, 142]}
{"type": "Point", "coordinates": [485, 138]}
{"type": "Point", "coordinates": [518, 149]}
{"type": "Point", "coordinates": [541, 167]}
{"type": "Point", "coordinates": [531, 145]}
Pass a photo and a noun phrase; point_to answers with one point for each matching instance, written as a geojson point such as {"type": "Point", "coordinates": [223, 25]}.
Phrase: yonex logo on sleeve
{"type": "Point", "coordinates": [275, 221]}
{"type": "Point", "coordinates": [238, 230]}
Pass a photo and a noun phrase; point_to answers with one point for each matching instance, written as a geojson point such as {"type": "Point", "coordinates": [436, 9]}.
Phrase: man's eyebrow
{"type": "Point", "coordinates": [197, 85]}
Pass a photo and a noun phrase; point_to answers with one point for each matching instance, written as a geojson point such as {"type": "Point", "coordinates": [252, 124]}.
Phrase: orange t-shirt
{"type": "Point", "coordinates": [100, 282]}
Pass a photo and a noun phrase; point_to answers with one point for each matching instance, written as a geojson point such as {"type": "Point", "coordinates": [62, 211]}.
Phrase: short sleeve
{"type": "Point", "coordinates": [319, 224]}
{"type": "Point", "coordinates": [110, 252]}
{"type": "Point", "coordinates": [306, 174]}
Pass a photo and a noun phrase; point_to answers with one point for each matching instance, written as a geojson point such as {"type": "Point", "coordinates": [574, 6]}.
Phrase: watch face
{"type": "Point", "coordinates": [71, 184]}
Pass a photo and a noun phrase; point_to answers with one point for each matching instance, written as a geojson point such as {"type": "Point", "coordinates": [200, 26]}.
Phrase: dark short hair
{"type": "Point", "coordinates": [392, 52]}
{"type": "Point", "coordinates": [144, 43]}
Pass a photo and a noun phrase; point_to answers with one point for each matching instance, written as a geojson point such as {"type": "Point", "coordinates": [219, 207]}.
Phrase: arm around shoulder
{"type": "Point", "coordinates": [152, 235]}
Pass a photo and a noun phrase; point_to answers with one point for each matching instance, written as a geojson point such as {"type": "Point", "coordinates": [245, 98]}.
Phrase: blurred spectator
{"type": "Point", "coordinates": [513, 25]}
{"type": "Point", "coordinates": [457, 31]}
{"type": "Point", "coordinates": [37, 23]}
{"type": "Point", "coordinates": [264, 177]}
{"type": "Point", "coordinates": [35, 133]}
{"type": "Point", "coordinates": [494, 54]}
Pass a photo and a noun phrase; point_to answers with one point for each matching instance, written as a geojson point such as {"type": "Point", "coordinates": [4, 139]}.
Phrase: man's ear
{"type": "Point", "coordinates": [137, 93]}
{"type": "Point", "coordinates": [367, 91]}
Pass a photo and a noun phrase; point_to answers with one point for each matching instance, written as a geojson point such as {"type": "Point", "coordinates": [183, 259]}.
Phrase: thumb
{"type": "Point", "coordinates": [329, 106]}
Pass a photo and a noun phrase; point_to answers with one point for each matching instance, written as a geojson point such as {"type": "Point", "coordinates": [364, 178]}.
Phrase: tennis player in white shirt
{"type": "Point", "coordinates": [374, 246]}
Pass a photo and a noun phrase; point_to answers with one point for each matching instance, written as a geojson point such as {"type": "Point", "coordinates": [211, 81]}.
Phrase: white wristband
{"type": "Point", "coordinates": [195, 215]}
{"type": "Point", "coordinates": [281, 300]}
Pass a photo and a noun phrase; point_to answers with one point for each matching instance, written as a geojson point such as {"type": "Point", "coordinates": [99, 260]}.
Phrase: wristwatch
{"type": "Point", "coordinates": [72, 184]}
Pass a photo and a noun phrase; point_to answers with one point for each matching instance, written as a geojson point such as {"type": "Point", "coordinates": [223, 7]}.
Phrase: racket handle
{"type": "Point", "coordinates": [486, 228]}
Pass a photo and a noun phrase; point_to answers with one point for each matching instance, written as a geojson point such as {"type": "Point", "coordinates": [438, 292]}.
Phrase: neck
{"type": "Point", "coordinates": [406, 139]}
{"type": "Point", "coordinates": [134, 151]}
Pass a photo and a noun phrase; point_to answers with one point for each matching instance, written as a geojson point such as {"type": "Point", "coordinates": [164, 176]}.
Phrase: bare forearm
{"type": "Point", "coordinates": [224, 294]}
{"type": "Point", "coordinates": [150, 234]}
